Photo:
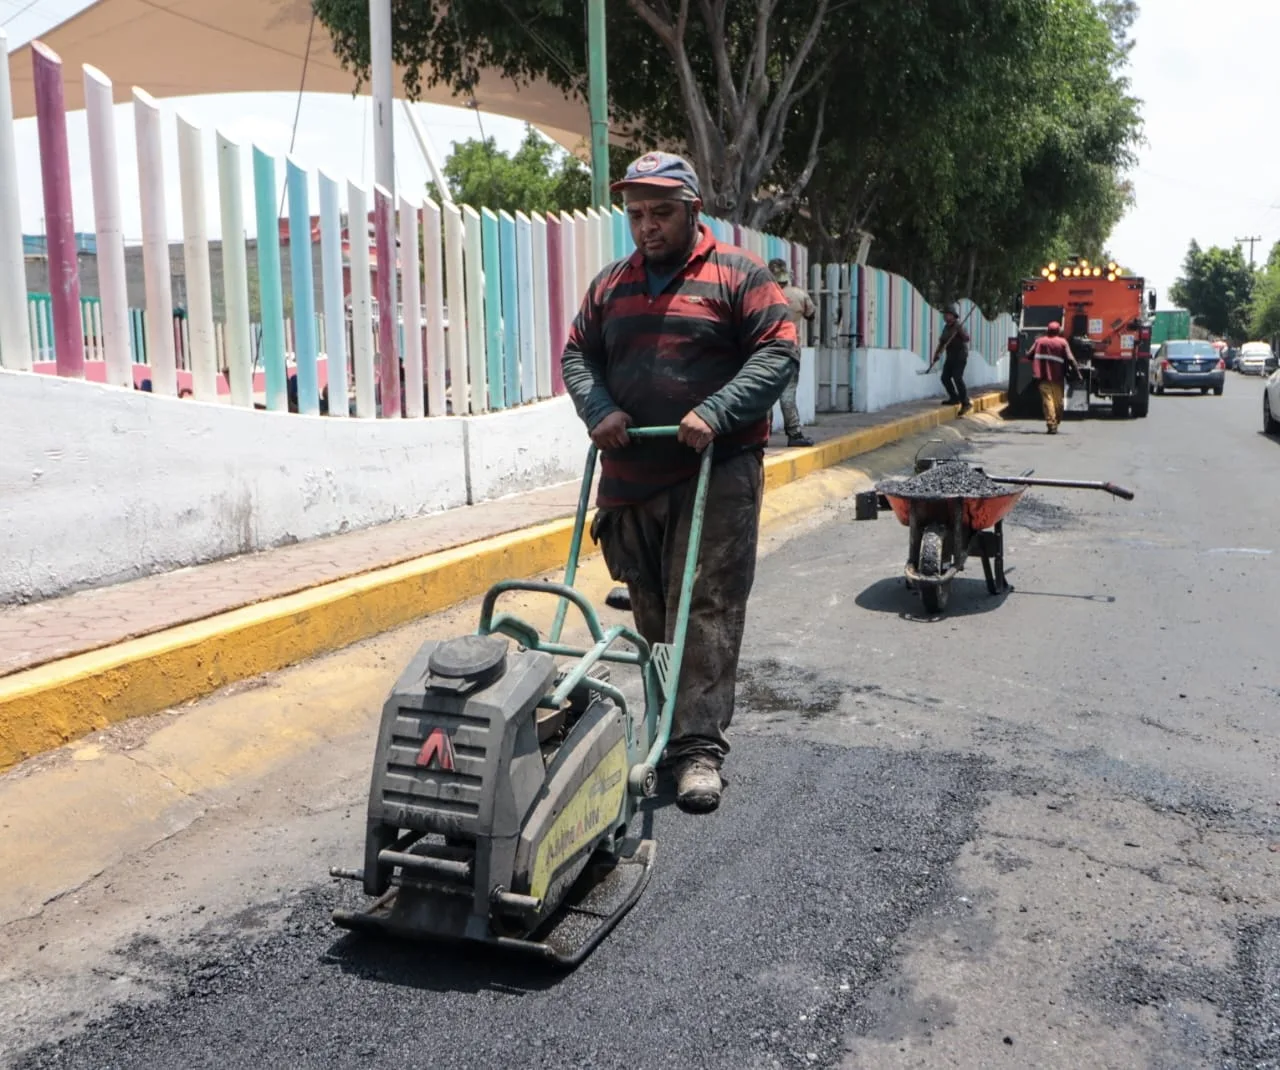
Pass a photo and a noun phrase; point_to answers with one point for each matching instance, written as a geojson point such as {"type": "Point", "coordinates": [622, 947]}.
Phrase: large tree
{"type": "Point", "coordinates": [972, 137]}
{"type": "Point", "coordinates": [726, 79]}
{"type": "Point", "coordinates": [1216, 287]}
{"type": "Point", "coordinates": [1004, 144]}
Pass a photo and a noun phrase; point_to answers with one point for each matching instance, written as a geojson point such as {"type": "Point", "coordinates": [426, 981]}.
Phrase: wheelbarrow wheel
{"type": "Point", "coordinates": [931, 564]}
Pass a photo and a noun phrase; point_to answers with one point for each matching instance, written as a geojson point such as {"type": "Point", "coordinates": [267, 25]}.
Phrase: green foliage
{"type": "Point", "coordinates": [1004, 145]}
{"type": "Point", "coordinates": [972, 138]}
{"type": "Point", "coordinates": [1264, 313]}
{"type": "Point", "coordinates": [729, 113]}
{"type": "Point", "coordinates": [538, 177]}
{"type": "Point", "coordinates": [1217, 288]}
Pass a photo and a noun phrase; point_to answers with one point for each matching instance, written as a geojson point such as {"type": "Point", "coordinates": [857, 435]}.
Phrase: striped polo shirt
{"type": "Point", "coordinates": [658, 358]}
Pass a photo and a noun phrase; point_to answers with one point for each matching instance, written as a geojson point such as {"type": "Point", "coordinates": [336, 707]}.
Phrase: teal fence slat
{"type": "Point", "coordinates": [510, 310]}
{"type": "Point", "coordinates": [491, 249]}
{"type": "Point", "coordinates": [270, 289]}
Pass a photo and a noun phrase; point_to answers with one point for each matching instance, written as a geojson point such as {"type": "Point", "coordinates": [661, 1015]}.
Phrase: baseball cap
{"type": "Point", "coordinates": [662, 169]}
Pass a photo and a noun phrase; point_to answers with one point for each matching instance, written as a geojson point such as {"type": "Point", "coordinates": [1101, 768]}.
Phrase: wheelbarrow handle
{"type": "Point", "coordinates": [1074, 484]}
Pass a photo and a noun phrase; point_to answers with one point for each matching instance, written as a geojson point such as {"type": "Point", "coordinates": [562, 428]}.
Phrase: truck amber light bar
{"type": "Point", "coordinates": [1082, 270]}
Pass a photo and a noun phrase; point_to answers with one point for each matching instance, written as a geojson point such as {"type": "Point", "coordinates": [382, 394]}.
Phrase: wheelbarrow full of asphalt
{"type": "Point", "coordinates": [953, 510]}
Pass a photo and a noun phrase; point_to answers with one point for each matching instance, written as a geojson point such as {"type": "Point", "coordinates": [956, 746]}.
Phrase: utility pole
{"type": "Point", "coordinates": [1251, 242]}
{"type": "Point", "coordinates": [598, 94]}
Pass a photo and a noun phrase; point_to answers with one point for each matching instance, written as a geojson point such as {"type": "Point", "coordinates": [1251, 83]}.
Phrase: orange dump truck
{"type": "Point", "coordinates": [1105, 315]}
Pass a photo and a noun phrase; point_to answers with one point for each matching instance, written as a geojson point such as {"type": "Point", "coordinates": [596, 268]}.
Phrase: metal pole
{"type": "Point", "coordinates": [385, 177]}
{"type": "Point", "coordinates": [599, 98]}
{"type": "Point", "coordinates": [383, 94]}
{"type": "Point", "coordinates": [428, 153]}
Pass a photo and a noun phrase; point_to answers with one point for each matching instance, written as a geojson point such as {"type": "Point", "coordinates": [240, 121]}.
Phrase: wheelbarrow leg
{"type": "Point", "coordinates": [1002, 584]}
{"type": "Point", "coordinates": [991, 543]}
{"type": "Point", "coordinates": [984, 547]}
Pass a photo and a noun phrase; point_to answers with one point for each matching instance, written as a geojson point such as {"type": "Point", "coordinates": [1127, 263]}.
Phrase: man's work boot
{"type": "Point", "coordinates": [966, 407]}
{"type": "Point", "coordinates": [799, 439]}
{"type": "Point", "coordinates": [619, 598]}
{"type": "Point", "coordinates": [698, 785]}
{"type": "Point", "coordinates": [949, 401]}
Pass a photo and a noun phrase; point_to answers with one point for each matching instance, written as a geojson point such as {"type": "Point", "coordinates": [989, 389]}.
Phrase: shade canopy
{"type": "Point", "coordinates": [181, 48]}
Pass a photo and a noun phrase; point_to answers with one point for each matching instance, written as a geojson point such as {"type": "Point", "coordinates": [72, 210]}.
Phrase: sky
{"type": "Point", "coordinates": [1209, 168]}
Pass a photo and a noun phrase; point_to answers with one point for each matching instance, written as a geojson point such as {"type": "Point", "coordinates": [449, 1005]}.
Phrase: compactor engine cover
{"type": "Point", "coordinates": [483, 808]}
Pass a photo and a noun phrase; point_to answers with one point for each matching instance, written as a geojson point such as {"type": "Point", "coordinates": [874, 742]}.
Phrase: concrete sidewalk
{"type": "Point", "coordinates": [73, 664]}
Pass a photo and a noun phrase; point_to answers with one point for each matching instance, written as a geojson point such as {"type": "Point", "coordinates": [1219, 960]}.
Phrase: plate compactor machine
{"type": "Point", "coordinates": [504, 783]}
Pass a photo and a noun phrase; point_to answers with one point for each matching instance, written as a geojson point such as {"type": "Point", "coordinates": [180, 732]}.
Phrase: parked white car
{"type": "Point", "coordinates": [1254, 359]}
{"type": "Point", "coordinates": [1271, 405]}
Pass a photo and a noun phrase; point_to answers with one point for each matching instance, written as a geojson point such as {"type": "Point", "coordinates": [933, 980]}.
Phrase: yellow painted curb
{"type": "Point", "coordinates": [50, 705]}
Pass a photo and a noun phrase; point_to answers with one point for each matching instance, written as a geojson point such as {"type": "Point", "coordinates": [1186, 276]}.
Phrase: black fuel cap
{"type": "Point", "coordinates": [469, 657]}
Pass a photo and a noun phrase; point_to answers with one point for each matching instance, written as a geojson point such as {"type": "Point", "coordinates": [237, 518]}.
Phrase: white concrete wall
{"type": "Point", "coordinates": [806, 391]}
{"type": "Point", "coordinates": [524, 449]}
{"type": "Point", "coordinates": [99, 484]}
{"type": "Point", "coordinates": [885, 377]}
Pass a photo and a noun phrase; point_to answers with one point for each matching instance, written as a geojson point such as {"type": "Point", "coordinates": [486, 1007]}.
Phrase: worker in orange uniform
{"type": "Point", "coordinates": [1051, 356]}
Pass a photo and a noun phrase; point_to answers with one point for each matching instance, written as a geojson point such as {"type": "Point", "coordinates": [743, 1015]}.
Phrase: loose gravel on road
{"type": "Point", "coordinates": [950, 479]}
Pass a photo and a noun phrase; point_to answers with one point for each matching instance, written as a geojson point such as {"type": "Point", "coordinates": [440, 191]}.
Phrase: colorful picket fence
{"type": "Point", "coordinates": [485, 299]}
{"type": "Point", "coordinates": [890, 313]}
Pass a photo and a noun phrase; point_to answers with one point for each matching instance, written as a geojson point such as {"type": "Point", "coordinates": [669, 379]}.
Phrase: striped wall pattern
{"type": "Point", "coordinates": [485, 298]}
{"type": "Point", "coordinates": [893, 314]}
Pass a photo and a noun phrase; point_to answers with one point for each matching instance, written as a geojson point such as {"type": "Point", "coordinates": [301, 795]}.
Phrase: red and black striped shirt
{"type": "Point", "coordinates": [717, 341]}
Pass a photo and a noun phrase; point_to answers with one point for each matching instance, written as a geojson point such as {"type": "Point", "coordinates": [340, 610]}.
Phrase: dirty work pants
{"type": "Point", "coordinates": [644, 547]}
{"type": "Point", "coordinates": [953, 379]}
{"type": "Point", "coordinates": [790, 412]}
{"type": "Point", "coordinates": [1051, 402]}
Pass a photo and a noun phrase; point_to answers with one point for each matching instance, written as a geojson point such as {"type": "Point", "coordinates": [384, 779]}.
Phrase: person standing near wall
{"type": "Point", "coordinates": [955, 342]}
{"type": "Point", "coordinates": [800, 310]}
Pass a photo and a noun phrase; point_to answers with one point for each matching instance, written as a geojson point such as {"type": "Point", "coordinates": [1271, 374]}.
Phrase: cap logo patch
{"type": "Point", "coordinates": [647, 163]}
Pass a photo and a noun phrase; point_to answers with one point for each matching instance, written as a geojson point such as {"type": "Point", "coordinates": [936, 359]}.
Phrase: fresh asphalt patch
{"type": "Point", "coordinates": [763, 926]}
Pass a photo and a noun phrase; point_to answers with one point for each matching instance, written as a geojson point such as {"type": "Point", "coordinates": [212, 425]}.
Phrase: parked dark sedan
{"type": "Point", "coordinates": [1188, 366]}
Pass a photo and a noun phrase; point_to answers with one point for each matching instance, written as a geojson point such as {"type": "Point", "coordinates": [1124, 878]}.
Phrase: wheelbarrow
{"type": "Point", "coordinates": [946, 530]}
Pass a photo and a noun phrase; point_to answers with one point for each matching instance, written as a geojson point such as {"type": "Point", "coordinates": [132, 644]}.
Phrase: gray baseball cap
{"type": "Point", "coordinates": [664, 170]}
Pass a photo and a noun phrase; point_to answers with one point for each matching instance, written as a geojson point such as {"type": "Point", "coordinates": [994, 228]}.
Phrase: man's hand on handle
{"type": "Point", "coordinates": [695, 432]}
{"type": "Point", "coordinates": [611, 432]}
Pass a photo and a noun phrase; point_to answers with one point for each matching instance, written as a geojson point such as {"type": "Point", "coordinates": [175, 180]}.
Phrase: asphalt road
{"type": "Point", "coordinates": [1042, 831]}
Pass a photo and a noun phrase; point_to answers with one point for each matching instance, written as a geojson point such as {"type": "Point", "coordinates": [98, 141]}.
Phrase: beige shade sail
{"type": "Point", "coordinates": [181, 48]}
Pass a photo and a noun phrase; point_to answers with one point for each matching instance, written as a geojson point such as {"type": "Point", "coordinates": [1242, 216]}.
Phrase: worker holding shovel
{"type": "Point", "coordinates": [955, 342]}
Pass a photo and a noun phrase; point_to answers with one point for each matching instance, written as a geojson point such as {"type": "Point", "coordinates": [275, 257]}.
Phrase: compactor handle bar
{"type": "Point", "coordinates": [584, 505]}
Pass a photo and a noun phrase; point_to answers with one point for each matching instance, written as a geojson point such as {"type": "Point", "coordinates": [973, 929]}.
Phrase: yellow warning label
{"type": "Point", "coordinates": [592, 809]}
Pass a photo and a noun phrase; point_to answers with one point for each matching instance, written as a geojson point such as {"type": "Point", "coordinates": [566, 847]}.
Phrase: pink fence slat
{"type": "Point", "coordinates": [555, 298]}
{"type": "Point", "coordinates": [388, 355]}
{"type": "Point", "coordinates": [55, 172]}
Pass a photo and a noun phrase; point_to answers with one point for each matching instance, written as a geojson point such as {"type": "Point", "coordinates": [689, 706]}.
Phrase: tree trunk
{"type": "Point", "coordinates": [736, 137]}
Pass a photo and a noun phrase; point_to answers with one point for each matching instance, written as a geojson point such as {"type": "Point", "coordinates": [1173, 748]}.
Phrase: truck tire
{"type": "Point", "coordinates": [1120, 408]}
{"type": "Point", "coordinates": [1142, 402]}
